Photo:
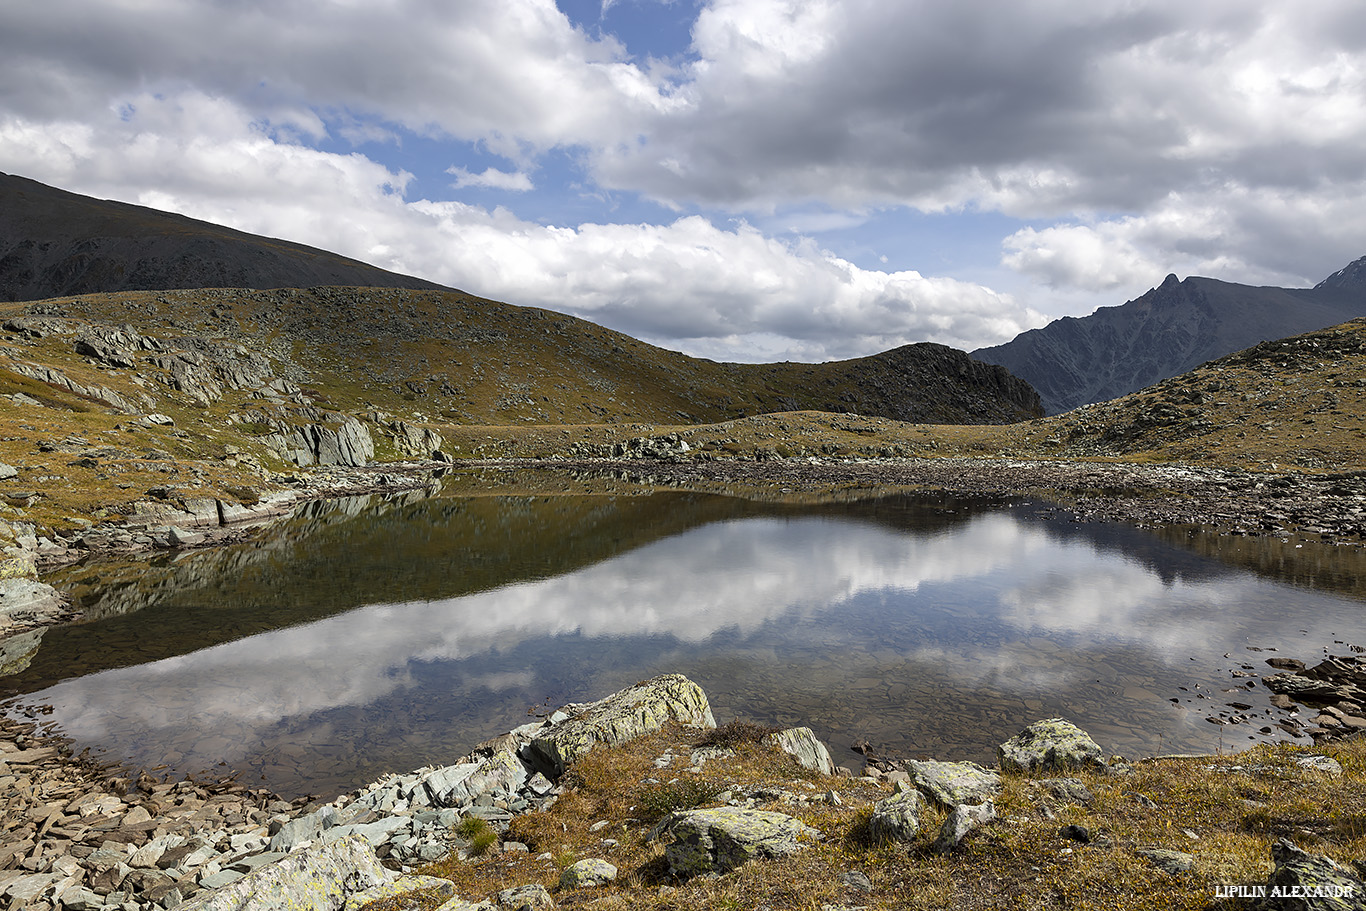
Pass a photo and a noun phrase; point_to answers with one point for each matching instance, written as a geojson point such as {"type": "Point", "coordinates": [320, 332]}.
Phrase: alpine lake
{"type": "Point", "coordinates": [377, 634]}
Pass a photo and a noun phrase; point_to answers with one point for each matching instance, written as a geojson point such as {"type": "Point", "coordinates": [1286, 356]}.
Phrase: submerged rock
{"type": "Point", "coordinates": [1054, 744]}
{"type": "Point", "coordinates": [719, 840]}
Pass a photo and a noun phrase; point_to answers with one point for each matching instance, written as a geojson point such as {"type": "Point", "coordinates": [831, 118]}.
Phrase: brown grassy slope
{"type": "Point", "coordinates": [459, 359]}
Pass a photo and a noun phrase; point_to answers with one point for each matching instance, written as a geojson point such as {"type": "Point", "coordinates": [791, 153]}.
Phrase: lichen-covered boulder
{"type": "Point", "coordinates": [431, 885]}
{"type": "Point", "coordinates": [1310, 882]}
{"type": "Point", "coordinates": [585, 874]}
{"type": "Point", "coordinates": [954, 783]}
{"type": "Point", "coordinates": [963, 819]}
{"type": "Point", "coordinates": [320, 878]}
{"type": "Point", "coordinates": [532, 897]}
{"type": "Point", "coordinates": [621, 717]}
{"type": "Point", "coordinates": [801, 744]}
{"type": "Point", "coordinates": [719, 840]}
{"type": "Point", "coordinates": [896, 818]}
{"type": "Point", "coordinates": [1054, 744]}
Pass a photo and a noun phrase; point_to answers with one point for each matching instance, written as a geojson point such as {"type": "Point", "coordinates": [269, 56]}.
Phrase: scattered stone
{"type": "Point", "coordinates": [1324, 764]}
{"type": "Point", "coordinates": [1076, 833]}
{"type": "Point", "coordinates": [533, 897]}
{"type": "Point", "coordinates": [586, 874]}
{"type": "Point", "coordinates": [1172, 862]}
{"type": "Point", "coordinates": [1070, 790]}
{"type": "Point", "coordinates": [963, 819]}
{"type": "Point", "coordinates": [1054, 744]}
{"type": "Point", "coordinates": [857, 881]}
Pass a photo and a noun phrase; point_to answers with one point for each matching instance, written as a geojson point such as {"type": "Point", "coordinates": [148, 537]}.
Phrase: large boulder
{"type": "Point", "coordinates": [586, 874]}
{"type": "Point", "coordinates": [621, 717]}
{"type": "Point", "coordinates": [1054, 744]}
{"type": "Point", "coordinates": [801, 744]}
{"type": "Point", "coordinates": [896, 818]}
{"type": "Point", "coordinates": [954, 783]}
{"type": "Point", "coordinates": [719, 840]}
{"type": "Point", "coordinates": [1310, 882]}
{"type": "Point", "coordinates": [319, 878]}
{"type": "Point", "coordinates": [962, 820]}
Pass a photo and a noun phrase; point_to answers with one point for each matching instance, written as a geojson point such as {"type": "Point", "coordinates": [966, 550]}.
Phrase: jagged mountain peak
{"type": "Point", "coordinates": [1352, 275]}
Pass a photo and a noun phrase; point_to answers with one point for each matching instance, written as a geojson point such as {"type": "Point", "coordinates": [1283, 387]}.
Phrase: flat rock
{"type": "Point", "coordinates": [1053, 744]}
{"type": "Point", "coordinates": [1164, 859]}
{"type": "Point", "coordinates": [954, 783]}
{"type": "Point", "coordinates": [719, 840]}
{"type": "Point", "coordinates": [586, 874]}
{"type": "Point", "coordinates": [319, 878]}
{"type": "Point", "coordinates": [621, 717]}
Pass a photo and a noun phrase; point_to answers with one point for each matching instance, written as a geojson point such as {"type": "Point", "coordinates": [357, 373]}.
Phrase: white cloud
{"type": "Point", "coordinates": [491, 178]}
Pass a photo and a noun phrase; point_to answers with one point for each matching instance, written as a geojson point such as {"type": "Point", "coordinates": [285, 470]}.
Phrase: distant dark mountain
{"type": "Point", "coordinates": [55, 243]}
{"type": "Point", "coordinates": [1173, 328]}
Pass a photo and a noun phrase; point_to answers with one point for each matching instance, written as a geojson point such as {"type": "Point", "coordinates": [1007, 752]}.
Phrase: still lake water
{"type": "Point", "coordinates": [373, 635]}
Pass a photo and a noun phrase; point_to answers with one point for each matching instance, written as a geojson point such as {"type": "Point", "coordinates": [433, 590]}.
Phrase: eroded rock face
{"type": "Point", "coordinates": [953, 783]}
{"type": "Point", "coordinates": [621, 717]}
{"type": "Point", "coordinates": [320, 878]}
{"type": "Point", "coordinates": [1053, 744]}
{"type": "Point", "coordinates": [719, 840]}
{"type": "Point", "coordinates": [802, 745]}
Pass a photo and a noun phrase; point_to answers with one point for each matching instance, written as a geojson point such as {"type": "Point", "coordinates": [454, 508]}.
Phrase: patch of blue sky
{"type": "Point", "coordinates": [659, 29]}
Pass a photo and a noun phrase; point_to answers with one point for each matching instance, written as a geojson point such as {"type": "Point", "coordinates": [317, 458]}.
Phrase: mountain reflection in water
{"type": "Point", "coordinates": [928, 628]}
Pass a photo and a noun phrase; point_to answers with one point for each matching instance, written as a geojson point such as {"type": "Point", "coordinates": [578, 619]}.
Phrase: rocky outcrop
{"type": "Point", "coordinates": [717, 841]}
{"type": "Point", "coordinates": [1310, 882]}
{"type": "Point", "coordinates": [1054, 744]}
{"type": "Point", "coordinates": [342, 440]}
{"type": "Point", "coordinates": [93, 392]}
{"type": "Point", "coordinates": [414, 441]}
{"type": "Point", "coordinates": [641, 709]}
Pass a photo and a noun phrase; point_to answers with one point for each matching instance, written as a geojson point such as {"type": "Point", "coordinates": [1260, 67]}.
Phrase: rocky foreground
{"type": "Point", "coordinates": [85, 837]}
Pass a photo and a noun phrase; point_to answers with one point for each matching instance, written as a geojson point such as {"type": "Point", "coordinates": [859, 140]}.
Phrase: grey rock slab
{"type": "Point", "coordinates": [533, 897]}
{"type": "Point", "coordinates": [319, 878]}
{"type": "Point", "coordinates": [802, 745]}
{"type": "Point", "coordinates": [719, 840]}
{"type": "Point", "coordinates": [1053, 744]}
{"type": "Point", "coordinates": [305, 828]}
{"type": "Point", "coordinates": [1310, 882]}
{"type": "Point", "coordinates": [22, 597]}
{"type": "Point", "coordinates": [619, 718]}
{"type": "Point", "coordinates": [963, 819]}
{"type": "Point", "coordinates": [1071, 790]}
{"type": "Point", "coordinates": [377, 833]}
{"type": "Point", "coordinates": [442, 888]}
{"type": "Point", "coordinates": [954, 783]}
{"type": "Point", "coordinates": [586, 874]}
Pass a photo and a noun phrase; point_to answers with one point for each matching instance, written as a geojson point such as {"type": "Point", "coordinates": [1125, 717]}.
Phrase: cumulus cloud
{"type": "Point", "coordinates": [491, 178]}
{"type": "Point", "coordinates": [727, 292]}
{"type": "Point", "coordinates": [1220, 138]}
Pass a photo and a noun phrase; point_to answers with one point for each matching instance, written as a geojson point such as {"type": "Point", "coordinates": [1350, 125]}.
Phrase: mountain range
{"type": "Point", "coordinates": [1173, 328]}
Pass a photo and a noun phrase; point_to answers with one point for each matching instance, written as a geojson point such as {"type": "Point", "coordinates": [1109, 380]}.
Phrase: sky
{"type": "Point", "coordinates": [745, 180]}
